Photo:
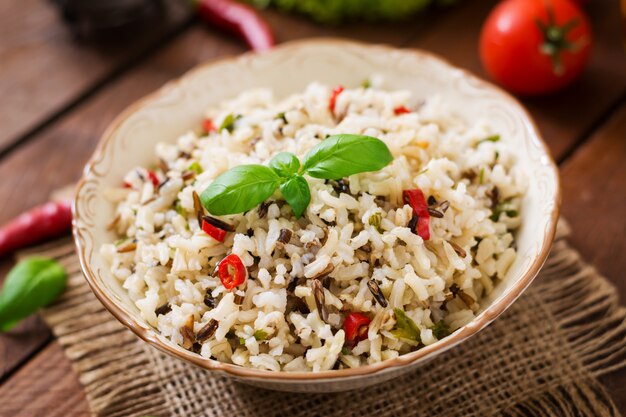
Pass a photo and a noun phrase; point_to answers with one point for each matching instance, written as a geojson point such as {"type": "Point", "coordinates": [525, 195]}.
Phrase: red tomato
{"type": "Point", "coordinates": [535, 46]}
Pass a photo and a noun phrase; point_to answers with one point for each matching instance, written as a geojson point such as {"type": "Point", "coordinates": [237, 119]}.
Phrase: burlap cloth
{"type": "Point", "coordinates": [542, 357]}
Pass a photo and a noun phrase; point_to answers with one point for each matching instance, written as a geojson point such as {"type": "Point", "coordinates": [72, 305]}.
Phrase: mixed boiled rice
{"type": "Point", "coordinates": [352, 240]}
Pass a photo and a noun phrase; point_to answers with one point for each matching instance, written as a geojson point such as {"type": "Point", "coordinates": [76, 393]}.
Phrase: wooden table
{"type": "Point", "coordinates": [59, 95]}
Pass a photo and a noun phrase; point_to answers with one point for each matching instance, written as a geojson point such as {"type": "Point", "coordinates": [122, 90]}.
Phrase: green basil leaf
{"type": "Point", "coordinates": [405, 327]}
{"type": "Point", "coordinates": [343, 155]}
{"type": "Point", "coordinates": [285, 164]}
{"type": "Point", "coordinates": [239, 189]}
{"type": "Point", "coordinates": [297, 193]}
{"type": "Point", "coordinates": [440, 330]}
{"type": "Point", "coordinates": [30, 285]}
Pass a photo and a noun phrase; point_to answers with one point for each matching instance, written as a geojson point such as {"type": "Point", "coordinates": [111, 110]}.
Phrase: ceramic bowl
{"type": "Point", "coordinates": [179, 106]}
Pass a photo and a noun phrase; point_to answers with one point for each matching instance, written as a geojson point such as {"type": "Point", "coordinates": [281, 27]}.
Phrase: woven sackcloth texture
{"type": "Point", "coordinates": [542, 357]}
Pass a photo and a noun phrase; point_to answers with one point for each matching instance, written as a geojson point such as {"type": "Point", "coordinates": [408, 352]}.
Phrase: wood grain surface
{"type": "Point", "coordinates": [584, 126]}
{"type": "Point", "coordinates": [43, 68]}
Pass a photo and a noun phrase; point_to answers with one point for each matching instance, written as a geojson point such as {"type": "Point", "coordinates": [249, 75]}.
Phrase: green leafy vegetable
{"type": "Point", "coordinates": [179, 208]}
{"type": "Point", "coordinates": [30, 285]}
{"type": "Point", "coordinates": [195, 167]}
{"type": "Point", "coordinates": [240, 189]}
{"type": "Point", "coordinates": [297, 193]}
{"type": "Point", "coordinates": [504, 207]}
{"type": "Point", "coordinates": [229, 122]}
{"type": "Point", "coordinates": [281, 116]}
{"type": "Point", "coordinates": [242, 341]}
{"type": "Point", "coordinates": [260, 335]}
{"type": "Point", "coordinates": [481, 176]}
{"type": "Point", "coordinates": [440, 330]}
{"type": "Point", "coordinates": [336, 11]}
{"type": "Point", "coordinates": [492, 138]}
{"type": "Point", "coordinates": [375, 220]}
{"type": "Point", "coordinates": [345, 350]}
{"type": "Point", "coordinates": [366, 84]}
{"type": "Point", "coordinates": [405, 327]}
{"type": "Point", "coordinates": [285, 164]}
{"type": "Point", "coordinates": [246, 186]}
{"type": "Point", "coordinates": [344, 155]}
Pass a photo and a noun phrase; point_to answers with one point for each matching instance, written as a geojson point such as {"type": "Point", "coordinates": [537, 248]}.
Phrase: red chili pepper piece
{"type": "Point", "coordinates": [36, 225]}
{"type": "Point", "coordinates": [208, 126]}
{"type": "Point", "coordinates": [232, 271]}
{"type": "Point", "coordinates": [355, 325]}
{"type": "Point", "coordinates": [127, 185]}
{"type": "Point", "coordinates": [401, 110]}
{"type": "Point", "coordinates": [333, 98]}
{"type": "Point", "coordinates": [215, 232]}
{"type": "Point", "coordinates": [239, 19]}
{"type": "Point", "coordinates": [153, 177]}
{"type": "Point", "coordinates": [415, 198]}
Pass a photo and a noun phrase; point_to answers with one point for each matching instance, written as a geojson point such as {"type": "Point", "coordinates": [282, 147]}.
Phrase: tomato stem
{"type": "Point", "coordinates": [555, 39]}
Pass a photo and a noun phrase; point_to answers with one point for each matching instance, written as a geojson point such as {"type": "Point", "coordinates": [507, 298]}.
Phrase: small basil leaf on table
{"type": "Point", "coordinates": [31, 284]}
{"type": "Point", "coordinates": [343, 155]}
{"type": "Point", "coordinates": [297, 194]}
{"type": "Point", "coordinates": [240, 189]}
{"type": "Point", "coordinates": [285, 164]}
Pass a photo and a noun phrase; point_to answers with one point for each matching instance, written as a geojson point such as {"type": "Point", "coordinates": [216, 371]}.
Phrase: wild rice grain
{"type": "Point", "coordinates": [187, 333]}
{"type": "Point", "coordinates": [218, 223]}
{"type": "Point", "coordinates": [459, 250]}
{"type": "Point", "coordinates": [209, 301]}
{"type": "Point", "coordinates": [163, 309]}
{"type": "Point", "coordinates": [198, 208]}
{"type": "Point", "coordinates": [128, 247]}
{"type": "Point", "coordinates": [378, 295]}
{"type": "Point", "coordinates": [207, 330]}
{"type": "Point", "coordinates": [435, 213]}
{"type": "Point", "coordinates": [262, 210]}
{"type": "Point", "coordinates": [320, 299]}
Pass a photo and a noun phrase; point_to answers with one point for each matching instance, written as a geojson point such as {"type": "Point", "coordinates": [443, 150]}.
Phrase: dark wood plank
{"type": "Point", "coordinates": [43, 68]}
{"type": "Point", "coordinates": [594, 202]}
{"type": "Point", "coordinates": [564, 118]}
{"type": "Point", "coordinates": [45, 387]}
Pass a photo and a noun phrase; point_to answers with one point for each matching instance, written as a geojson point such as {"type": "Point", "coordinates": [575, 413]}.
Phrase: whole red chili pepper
{"type": "Point", "coordinates": [240, 19]}
{"type": "Point", "coordinates": [333, 97]}
{"type": "Point", "coordinates": [215, 232]}
{"type": "Point", "coordinates": [232, 271]}
{"type": "Point", "coordinates": [36, 225]}
{"type": "Point", "coordinates": [415, 198]}
{"type": "Point", "coordinates": [355, 325]}
{"type": "Point", "coordinates": [401, 110]}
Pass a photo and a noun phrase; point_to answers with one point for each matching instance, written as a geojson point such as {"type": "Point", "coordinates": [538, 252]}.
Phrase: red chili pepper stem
{"type": "Point", "coordinates": [36, 225]}
{"type": "Point", "coordinates": [239, 19]}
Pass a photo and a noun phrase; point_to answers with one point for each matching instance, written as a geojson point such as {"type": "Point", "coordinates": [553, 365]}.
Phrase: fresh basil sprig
{"type": "Point", "coordinates": [244, 187]}
{"type": "Point", "coordinates": [30, 285]}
